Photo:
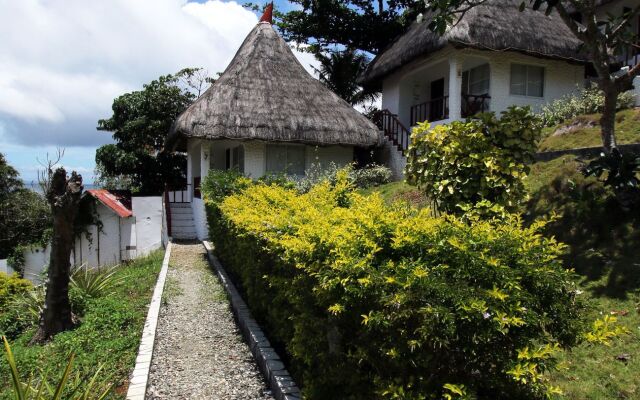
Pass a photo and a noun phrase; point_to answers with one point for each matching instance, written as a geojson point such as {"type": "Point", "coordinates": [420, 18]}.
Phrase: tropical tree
{"type": "Point", "coordinates": [140, 123]}
{"type": "Point", "coordinates": [24, 214]}
{"type": "Point", "coordinates": [337, 71]}
{"type": "Point", "coordinates": [604, 41]}
{"type": "Point", "coordinates": [366, 26]}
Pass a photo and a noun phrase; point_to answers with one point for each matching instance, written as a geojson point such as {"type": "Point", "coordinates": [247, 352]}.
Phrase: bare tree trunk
{"type": "Point", "coordinates": [63, 195]}
{"type": "Point", "coordinates": [608, 119]}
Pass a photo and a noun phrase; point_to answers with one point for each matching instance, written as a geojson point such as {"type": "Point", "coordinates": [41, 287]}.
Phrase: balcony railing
{"type": "Point", "coordinates": [438, 109]}
{"type": "Point", "coordinates": [432, 110]}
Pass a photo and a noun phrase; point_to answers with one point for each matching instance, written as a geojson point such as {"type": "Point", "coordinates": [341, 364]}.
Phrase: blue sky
{"type": "Point", "coordinates": [59, 77]}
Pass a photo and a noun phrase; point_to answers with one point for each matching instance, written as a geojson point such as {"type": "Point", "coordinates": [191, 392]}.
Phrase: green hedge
{"type": "Point", "coordinates": [376, 301]}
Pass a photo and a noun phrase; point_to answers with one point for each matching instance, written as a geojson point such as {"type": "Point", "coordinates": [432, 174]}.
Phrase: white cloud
{"type": "Point", "coordinates": [66, 60]}
{"type": "Point", "coordinates": [63, 62]}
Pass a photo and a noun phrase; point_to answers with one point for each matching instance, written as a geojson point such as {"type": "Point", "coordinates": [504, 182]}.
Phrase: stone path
{"type": "Point", "coordinates": [199, 352]}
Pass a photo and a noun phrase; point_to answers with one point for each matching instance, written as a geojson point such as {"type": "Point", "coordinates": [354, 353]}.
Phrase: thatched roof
{"type": "Point", "coordinates": [496, 25]}
{"type": "Point", "coordinates": [266, 94]}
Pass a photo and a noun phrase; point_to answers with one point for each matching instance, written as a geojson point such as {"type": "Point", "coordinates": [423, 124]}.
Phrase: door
{"type": "Point", "coordinates": [436, 110]}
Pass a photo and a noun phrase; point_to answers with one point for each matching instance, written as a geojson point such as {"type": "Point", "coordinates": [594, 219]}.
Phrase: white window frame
{"type": "Point", "coordinates": [526, 81]}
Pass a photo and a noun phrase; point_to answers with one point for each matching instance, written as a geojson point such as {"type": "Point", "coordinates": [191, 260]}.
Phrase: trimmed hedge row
{"type": "Point", "coordinates": [375, 301]}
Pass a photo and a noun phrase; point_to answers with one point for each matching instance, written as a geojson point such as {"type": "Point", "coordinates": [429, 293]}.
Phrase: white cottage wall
{"type": "Point", "coordinates": [406, 87]}
{"type": "Point", "coordinates": [560, 79]}
{"type": "Point", "coordinates": [325, 155]}
{"type": "Point", "coordinates": [147, 229]}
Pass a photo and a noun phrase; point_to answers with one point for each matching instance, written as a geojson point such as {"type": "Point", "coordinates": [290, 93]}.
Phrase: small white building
{"type": "Point", "coordinates": [122, 228]}
{"type": "Point", "coordinates": [493, 58]}
{"type": "Point", "coordinates": [264, 115]}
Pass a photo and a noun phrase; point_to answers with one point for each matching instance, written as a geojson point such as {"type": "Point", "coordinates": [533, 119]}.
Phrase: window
{"type": "Point", "coordinates": [476, 80]}
{"type": "Point", "coordinates": [527, 80]}
{"type": "Point", "coordinates": [234, 158]}
{"type": "Point", "coordinates": [287, 158]}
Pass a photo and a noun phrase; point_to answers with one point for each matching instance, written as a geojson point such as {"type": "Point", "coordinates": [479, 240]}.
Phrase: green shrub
{"type": "Point", "coordinates": [366, 177]}
{"type": "Point", "coordinates": [370, 176]}
{"type": "Point", "coordinates": [12, 286]}
{"type": "Point", "coordinates": [477, 165]}
{"type": "Point", "coordinates": [375, 301]}
{"type": "Point", "coordinates": [587, 101]}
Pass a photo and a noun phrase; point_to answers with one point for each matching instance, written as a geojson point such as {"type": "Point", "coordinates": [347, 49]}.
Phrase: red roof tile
{"type": "Point", "coordinates": [117, 200]}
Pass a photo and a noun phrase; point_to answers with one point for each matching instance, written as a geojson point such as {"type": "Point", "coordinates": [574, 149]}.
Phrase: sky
{"type": "Point", "coordinates": [63, 62]}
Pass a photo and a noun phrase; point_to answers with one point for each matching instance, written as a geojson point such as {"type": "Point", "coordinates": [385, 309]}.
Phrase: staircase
{"type": "Point", "coordinates": [182, 225]}
{"type": "Point", "coordinates": [393, 129]}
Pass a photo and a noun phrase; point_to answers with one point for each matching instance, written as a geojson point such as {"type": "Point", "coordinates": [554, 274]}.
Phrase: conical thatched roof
{"type": "Point", "coordinates": [496, 25]}
{"type": "Point", "coordinates": [266, 94]}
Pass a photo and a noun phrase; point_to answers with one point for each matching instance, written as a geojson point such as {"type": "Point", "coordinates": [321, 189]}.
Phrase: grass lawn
{"type": "Point", "coordinates": [401, 191]}
{"type": "Point", "coordinates": [586, 132]}
{"type": "Point", "coordinates": [603, 249]}
{"type": "Point", "coordinates": [108, 335]}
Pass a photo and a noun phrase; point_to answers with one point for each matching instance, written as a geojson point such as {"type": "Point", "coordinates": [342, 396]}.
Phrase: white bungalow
{"type": "Point", "coordinates": [493, 58]}
{"type": "Point", "coordinates": [265, 114]}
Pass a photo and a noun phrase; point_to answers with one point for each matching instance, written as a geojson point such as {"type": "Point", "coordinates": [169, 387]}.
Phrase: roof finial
{"type": "Point", "coordinates": [268, 14]}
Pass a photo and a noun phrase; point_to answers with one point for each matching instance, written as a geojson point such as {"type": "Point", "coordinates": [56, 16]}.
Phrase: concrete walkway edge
{"type": "Point", "coordinates": [280, 382]}
{"type": "Point", "coordinates": [139, 377]}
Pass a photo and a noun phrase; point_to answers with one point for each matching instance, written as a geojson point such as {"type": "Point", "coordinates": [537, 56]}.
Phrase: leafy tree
{"type": "Point", "coordinates": [24, 215]}
{"type": "Point", "coordinates": [140, 123]}
{"type": "Point", "coordinates": [337, 71]}
{"type": "Point", "coordinates": [367, 26]}
{"type": "Point", "coordinates": [604, 41]}
{"type": "Point", "coordinates": [9, 178]}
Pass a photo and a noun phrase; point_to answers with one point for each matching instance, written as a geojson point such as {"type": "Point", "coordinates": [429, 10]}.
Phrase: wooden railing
{"type": "Point", "coordinates": [438, 109]}
{"type": "Point", "coordinates": [473, 104]}
{"type": "Point", "coordinates": [393, 129]}
{"type": "Point", "coordinates": [432, 110]}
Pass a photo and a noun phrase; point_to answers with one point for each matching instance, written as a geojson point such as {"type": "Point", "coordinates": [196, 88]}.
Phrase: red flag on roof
{"type": "Point", "coordinates": [268, 14]}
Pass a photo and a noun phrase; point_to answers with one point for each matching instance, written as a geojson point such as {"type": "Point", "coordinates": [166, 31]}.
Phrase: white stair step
{"type": "Point", "coordinates": [180, 205]}
{"type": "Point", "coordinates": [183, 224]}
{"type": "Point", "coordinates": [181, 217]}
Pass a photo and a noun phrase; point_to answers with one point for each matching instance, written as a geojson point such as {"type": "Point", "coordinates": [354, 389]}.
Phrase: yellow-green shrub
{"type": "Point", "coordinates": [371, 301]}
{"type": "Point", "coordinates": [12, 286]}
{"type": "Point", "coordinates": [478, 165]}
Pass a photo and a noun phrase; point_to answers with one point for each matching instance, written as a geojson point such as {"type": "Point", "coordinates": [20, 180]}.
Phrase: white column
{"type": "Point", "coordinates": [205, 155]}
{"type": "Point", "coordinates": [189, 165]}
{"type": "Point", "coordinates": [455, 89]}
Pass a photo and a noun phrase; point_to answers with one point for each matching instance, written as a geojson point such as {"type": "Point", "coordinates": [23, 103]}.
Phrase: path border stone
{"type": "Point", "coordinates": [280, 382]}
{"type": "Point", "coordinates": [140, 375]}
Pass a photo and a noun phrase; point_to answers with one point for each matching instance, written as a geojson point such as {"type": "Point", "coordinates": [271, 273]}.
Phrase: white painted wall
{"type": "Point", "coordinates": [200, 219]}
{"type": "Point", "coordinates": [325, 155]}
{"type": "Point", "coordinates": [141, 234]}
{"type": "Point", "coordinates": [411, 84]}
{"type": "Point", "coordinates": [146, 233]}
{"type": "Point", "coordinates": [560, 79]}
{"type": "Point", "coordinates": [35, 261]}
{"type": "Point", "coordinates": [4, 267]}
{"type": "Point", "coordinates": [636, 90]}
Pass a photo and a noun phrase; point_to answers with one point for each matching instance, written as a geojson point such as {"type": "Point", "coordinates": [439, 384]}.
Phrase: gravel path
{"type": "Point", "coordinates": [199, 352]}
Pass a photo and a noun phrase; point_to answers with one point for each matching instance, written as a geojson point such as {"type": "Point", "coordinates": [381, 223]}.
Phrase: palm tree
{"type": "Point", "coordinates": [338, 71]}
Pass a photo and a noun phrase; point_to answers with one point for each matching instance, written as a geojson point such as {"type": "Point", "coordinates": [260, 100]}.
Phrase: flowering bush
{"type": "Point", "coordinates": [587, 101]}
{"type": "Point", "coordinates": [376, 301]}
{"type": "Point", "coordinates": [477, 166]}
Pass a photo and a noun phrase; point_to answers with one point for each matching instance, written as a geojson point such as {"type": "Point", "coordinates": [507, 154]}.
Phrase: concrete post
{"type": "Point", "coordinates": [455, 89]}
